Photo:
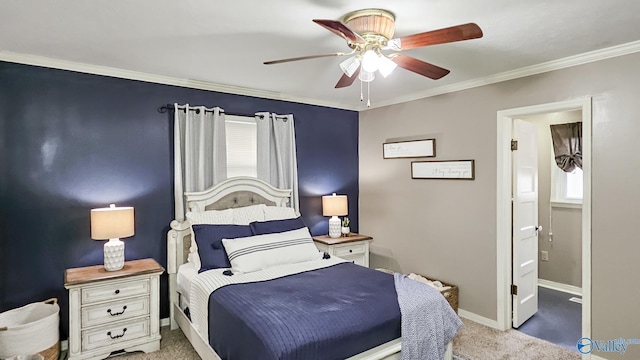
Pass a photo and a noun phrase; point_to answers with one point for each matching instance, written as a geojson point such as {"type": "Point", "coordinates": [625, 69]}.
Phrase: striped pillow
{"type": "Point", "coordinates": [264, 251]}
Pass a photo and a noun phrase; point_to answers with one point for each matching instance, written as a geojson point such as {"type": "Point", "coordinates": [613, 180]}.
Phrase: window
{"type": "Point", "coordinates": [242, 153]}
{"type": "Point", "coordinates": [566, 187]}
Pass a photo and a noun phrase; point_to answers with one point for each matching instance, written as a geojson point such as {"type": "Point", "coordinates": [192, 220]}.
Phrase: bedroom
{"type": "Point", "coordinates": [68, 144]}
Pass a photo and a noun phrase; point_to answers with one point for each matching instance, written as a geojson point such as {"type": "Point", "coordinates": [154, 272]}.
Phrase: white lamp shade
{"type": "Point", "coordinates": [350, 66]}
{"type": "Point", "coordinates": [370, 61]}
{"type": "Point", "coordinates": [386, 66]}
{"type": "Point", "coordinates": [334, 205]}
{"type": "Point", "coordinates": [366, 76]}
{"type": "Point", "coordinates": [112, 223]}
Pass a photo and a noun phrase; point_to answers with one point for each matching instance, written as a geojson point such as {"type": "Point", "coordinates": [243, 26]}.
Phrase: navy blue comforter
{"type": "Point", "coordinates": [329, 313]}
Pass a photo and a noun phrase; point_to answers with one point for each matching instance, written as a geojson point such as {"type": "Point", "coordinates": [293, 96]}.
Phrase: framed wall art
{"type": "Point", "coordinates": [409, 149]}
{"type": "Point", "coordinates": [443, 169]}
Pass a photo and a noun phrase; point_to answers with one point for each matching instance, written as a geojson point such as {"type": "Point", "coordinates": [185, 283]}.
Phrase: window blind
{"type": "Point", "coordinates": [242, 158]}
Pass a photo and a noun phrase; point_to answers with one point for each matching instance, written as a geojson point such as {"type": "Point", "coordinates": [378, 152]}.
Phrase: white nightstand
{"type": "Point", "coordinates": [113, 310]}
{"type": "Point", "coordinates": [354, 248]}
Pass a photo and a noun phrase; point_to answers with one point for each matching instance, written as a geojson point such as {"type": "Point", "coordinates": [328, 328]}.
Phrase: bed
{"type": "Point", "coordinates": [189, 289]}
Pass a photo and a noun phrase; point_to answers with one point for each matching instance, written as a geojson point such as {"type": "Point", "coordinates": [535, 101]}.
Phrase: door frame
{"type": "Point", "coordinates": [503, 208]}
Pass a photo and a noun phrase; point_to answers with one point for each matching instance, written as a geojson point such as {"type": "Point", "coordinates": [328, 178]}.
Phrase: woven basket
{"type": "Point", "coordinates": [52, 353]}
{"type": "Point", "coordinates": [450, 294]}
{"type": "Point", "coordinates": [30, 329]}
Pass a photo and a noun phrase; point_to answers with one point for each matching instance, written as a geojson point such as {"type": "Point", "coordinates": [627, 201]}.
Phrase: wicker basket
{"type": "Point", "coordinates": [450, 294]}
{"type": "Point", "coordinates": [25, 331]}
{"type": "Point", "coordinates": [52, 353]}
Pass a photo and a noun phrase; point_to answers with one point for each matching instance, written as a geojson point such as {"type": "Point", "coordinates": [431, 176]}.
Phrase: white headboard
{"type": "Point", "coordinates": [231, 193]}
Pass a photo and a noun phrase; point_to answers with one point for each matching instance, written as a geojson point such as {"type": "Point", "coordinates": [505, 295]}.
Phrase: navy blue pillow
{"type": "Point", "coordinates": [209, 240]}
{"type": "Point", "coordinates": [276, 226]}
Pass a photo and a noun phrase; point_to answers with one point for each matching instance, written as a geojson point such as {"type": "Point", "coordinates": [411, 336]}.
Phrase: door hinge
{"type": "Point", "coordinates": [514, 289]}
{"type": "Point", "coordinates": [514, 145]}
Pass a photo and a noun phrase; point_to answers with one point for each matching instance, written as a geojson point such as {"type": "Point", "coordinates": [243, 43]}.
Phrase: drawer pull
{"type": "Point", "coordinates": [350, 250]}
{"type": "Point", "coordinates": [117, 336]}
{"type": "Point", "coordinates": [117, 291]}
{"type": "Point", "coordinates": [117, 313]}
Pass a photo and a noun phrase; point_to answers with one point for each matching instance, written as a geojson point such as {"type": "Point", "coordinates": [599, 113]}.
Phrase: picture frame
{"type": "Point", "coordinates": [443, 169]}
{"type": "Point", "coordinates": [409, 149]}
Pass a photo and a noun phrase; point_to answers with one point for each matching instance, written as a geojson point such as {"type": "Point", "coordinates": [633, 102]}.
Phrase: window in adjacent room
{"type": "Point", "coordinates": [566, 187]}
{"type": "Point", "coordinates": [566, 163]}
{"type": "Point", "coordinates": [242, 158]}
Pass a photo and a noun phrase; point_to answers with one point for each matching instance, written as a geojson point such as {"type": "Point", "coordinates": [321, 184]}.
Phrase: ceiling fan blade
{"type": "Point", "coordinates": [346, 80]}
{"type": "Point", "coordinates": [303, 58]}
{"type": "Point", "coordinates": [419, 67]}
{"type": "Point", "coordinates": [441, 36]}
{"type": "Point", "coordinates": [340, 29]}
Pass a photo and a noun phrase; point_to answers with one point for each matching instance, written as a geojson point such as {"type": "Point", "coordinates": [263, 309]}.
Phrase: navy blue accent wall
{"type": "Point", "coordinates": [70, 142]}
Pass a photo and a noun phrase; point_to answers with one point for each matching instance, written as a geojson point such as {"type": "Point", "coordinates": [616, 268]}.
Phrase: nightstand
{"type": "Point", "coordinates": [354, 248]}
{"type": "Point", "coordinates": [113, 310]}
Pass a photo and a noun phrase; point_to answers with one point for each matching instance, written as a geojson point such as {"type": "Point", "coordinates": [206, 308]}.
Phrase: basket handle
{"type": "Point", "coordinates": [51, 301]}
{"type": "Point", "coordinates": [4, 328]}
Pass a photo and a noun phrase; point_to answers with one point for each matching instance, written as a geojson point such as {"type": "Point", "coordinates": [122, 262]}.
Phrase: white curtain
{"type": "Point", "coordinates": [276, 143]}
{"type": "Point", "coordinates": [200, 151]}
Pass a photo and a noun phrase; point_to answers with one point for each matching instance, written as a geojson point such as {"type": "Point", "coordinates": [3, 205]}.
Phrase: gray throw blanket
{"type": "Point", "coordinates": [428, 322]}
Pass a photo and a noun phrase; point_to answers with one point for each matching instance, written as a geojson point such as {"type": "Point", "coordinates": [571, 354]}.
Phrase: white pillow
{"type": "Point", "coordinates": [263, 251]}
{"type": "Point", "coordinates": [210, 217]}
{"type": "Point", "coordinates": [205, 217]}
{"type": "Point", "coordinates": [248, 214]}
{"type": "Point", "coordinates": [279, 213]}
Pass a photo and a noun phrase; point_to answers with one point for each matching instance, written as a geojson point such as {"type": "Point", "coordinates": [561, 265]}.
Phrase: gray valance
{"type": "Point", "coordinates": [567, 145]}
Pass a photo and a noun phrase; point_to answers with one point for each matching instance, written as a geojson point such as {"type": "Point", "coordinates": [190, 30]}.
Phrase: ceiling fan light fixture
{"type": "Point", "coordinates": [386, 66]}
{"type": "Point", "coordinates": [370, 61]}
{"type": "Point", "coordinates": [366, 76]}
{"type": "Point", "coordinates": [350, 66]}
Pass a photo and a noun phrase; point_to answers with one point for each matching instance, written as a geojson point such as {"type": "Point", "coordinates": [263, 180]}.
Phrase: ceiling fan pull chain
{"type": "Point", "coordinates": [369, 94]}
{"type": "Point", "coordinates": [361, 96]}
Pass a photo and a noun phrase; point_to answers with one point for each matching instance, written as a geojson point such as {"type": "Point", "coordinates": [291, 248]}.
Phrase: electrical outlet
{"type": "Point", "coordinates": [544, 256]}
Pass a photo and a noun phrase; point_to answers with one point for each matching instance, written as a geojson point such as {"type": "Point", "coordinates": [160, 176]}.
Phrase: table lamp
{"type": "Point", "coordinates": [334, 206]}
{"type": "Point", "coordinates": [111, 224]}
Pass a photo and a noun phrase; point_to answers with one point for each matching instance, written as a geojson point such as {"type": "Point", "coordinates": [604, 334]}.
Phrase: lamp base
{"type": "Point", "coordinates": [113, 255]}
{"type": "Point", "coordinates": [335, 227]}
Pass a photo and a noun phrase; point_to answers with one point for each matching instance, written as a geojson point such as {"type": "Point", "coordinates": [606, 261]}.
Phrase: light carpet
{"type": "Point", "coordinates": [478, 342]}
{"type": "Point", "coordinates": [473, 342]}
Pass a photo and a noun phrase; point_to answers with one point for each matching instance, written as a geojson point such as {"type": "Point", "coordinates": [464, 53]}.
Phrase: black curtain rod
{"type": "Point", "coordinates": [165, 108]}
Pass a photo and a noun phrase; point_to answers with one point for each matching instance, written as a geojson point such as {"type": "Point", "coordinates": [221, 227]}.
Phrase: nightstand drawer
{"type": "Point", "coordinates": [358, 260]}
{"type": "Point", "coordinates": [114, 311]}
{"type": "Point", "coordinates": [349, 250]}
{"type": "Point", "coordinates": [113, 334]}
{"type": "Point", "coordinates": [114, 291]}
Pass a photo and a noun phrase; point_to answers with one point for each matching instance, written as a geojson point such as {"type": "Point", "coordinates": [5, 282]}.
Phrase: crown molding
{"type": "Point", "coordinates": [161, 79]}
{"type": "Point", "coordinates": [585, 58]}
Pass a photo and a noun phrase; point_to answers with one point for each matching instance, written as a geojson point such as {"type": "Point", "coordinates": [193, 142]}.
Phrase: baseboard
{"type": "Point", "coordinates": [560, 287]}
{"type": "Point", "coordinates": [165, 322]}
{"type": "Point", "coordinates": [478, 319]}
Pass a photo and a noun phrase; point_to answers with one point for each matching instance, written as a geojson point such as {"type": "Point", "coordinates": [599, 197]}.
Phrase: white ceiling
{"type": "Point", "coordinates": [226, 42]}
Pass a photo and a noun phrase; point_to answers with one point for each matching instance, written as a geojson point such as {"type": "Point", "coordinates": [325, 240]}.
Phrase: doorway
{"type": "Point", "coordinates": [504, 183]}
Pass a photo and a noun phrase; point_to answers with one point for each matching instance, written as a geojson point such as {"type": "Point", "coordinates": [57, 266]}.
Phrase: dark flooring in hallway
{"type": "Point", "coordinates": [558, 320]}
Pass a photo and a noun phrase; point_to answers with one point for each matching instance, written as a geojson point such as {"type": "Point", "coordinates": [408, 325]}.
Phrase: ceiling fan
{"type": "Point", "coordinates": [369, 32]}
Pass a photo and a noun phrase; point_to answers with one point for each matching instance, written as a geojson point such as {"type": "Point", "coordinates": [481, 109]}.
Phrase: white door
{"type": "Point", "coordinates": [525, 222]}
